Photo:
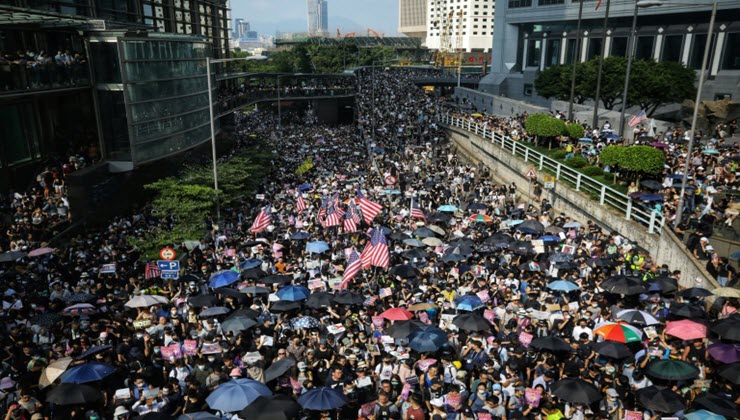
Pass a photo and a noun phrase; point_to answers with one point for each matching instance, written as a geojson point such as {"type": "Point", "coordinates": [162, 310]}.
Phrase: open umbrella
{"type": "Point", "coordinates": [468, 303]}
{"type": "Point", "coordinates": [229, 292]}
{"type": "Point", "coordinates": [424, 232]}
{"type": "Point", "coordinates": [624, 285]}
{"type": "Point", "coordinates": [686, 329]}
{"type": "Point", "coordinates": [223, 278]}
{"type": "Point", "coordinates": [345, 297]}
{"type": "Point", "coordinates": [687, 310]}
{"type": "Point", "coordinates": [305, 322]}
{"type": "Point", "coordinates": [671, 370]}
{"type": "Point", "coordinates": [660, 399]}
{"type": "Point", "coordinates": [40, 251]}
{"type": "Point", "coordinates": [317, 247]}
{"type": "Point", "coordinates": [620, 332]}
{"type": "Point", "coordinates": [665, 284]}
{"type": "Point", "coordinates": [718, 405]}
{"type": "Point", "coordinates": [651, 184]}
{"type": "Point", "coordinates": [399, 236]}
{"type": "Point", "coordinates": [436, 229]}
{"type": "Point", "coordinates": [299, 236]}
{"type": "Point", "coordinates": [423, 306]}
{"type": "Point", "coordinates": [80, 309]}
{"type": "Point", "coordinates": [703, 415]}
{"type": "Point", "coordinates": [634, 316]}
{"type": "Point", "coordinates": [418, 254]}
{"type": "Point", "coordinates": [550, 343]}
{"type": "Point", "coordinates": [533, 225]}
{"type": "Point", "coordinates": [448, 208]}
{"type": "Point", "coordinates": [480, 218]}
{"type": "Point", "coordinates": [403, 329]}
{"type": "Point", "coordinates": [319, 300]}
{"type": "Point", "coordinates": [200, 415]}
{"type": "Point", "coordinates": [612, 349]}
{"type": "Point", "coordinates": [575, 391]}
{"type": "Point", "coordinates": [250, 263]}
{"type": "Point", "coordinates": [73, 394]}
{"type": "Point", "coordinates": [322, 399]}
{"type": "Point", "coordinates": [213, 312]}
{"type": "Point", "coordinates": [404, 271]}
{"type": "Point", "coordinates": [276, 279]}
{"type": "Point", "coordinates": [731, 372]}
{"type": "Point", "coordinates": [454, 258]}
{"type": "Point", "coordinates": [237, 324]}
{"type": "Point", "coordinates": [293, 293]}
{"type": "Point", "coordinates": [253, 273]}
{"type": "Point", "coordinates": [414, 242]}
{"type": "Point", "coordinates": [53, 371]}
{"type": "Point", "coordinates": [246, 313]}
{"type": "Point", "coordinates": [728, 328]}
{"type": "Point", "coordinates": [200, 301]}
{"type": "Point", "coordinates": [471, 322]}
{"type": "Point", "coordinates": [145, 301]}
{"type": "Point", "coordinates": [234, 395]}
{"type": "Point", "coordinates": [284, 306]}
{"type": "Point", "coordinates": [397, 314]}
{"type": "Point", "coordinates": [695, 292]}
{"type": "Point", "coordinates": [427, 340]}
{"type": "Point", "coordinates": [88, 372]}
{"type": "Point", "coordinates": [725, 352]}
{"type": "Point", "coordinates": [11, 256]}
{"type": "Point", "coordinates": [432, 241]}
{"type": "Point", "coordinates": [255, 290]}
{"type": "Point", "coordinates": [272, 407]}
{"type": "Point", "coordinates": [278, 368]}
{"type": "Point", "coordinates": [563, 286]}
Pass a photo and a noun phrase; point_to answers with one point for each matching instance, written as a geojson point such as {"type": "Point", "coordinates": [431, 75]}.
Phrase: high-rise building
{"type": "Point", "coordinates": [318, 17]}
{"type": "Point", "coordinates": [241, 27]}
{"type": "Point", "coordinates": [460, 24]}
{"type": "Point", "coordinates": [412, 18]}
{"type": "Point", "coordinates": [531, 35]}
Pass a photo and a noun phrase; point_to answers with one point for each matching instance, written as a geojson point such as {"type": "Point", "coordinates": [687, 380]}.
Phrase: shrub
{"type": "Point", "coordinates": [544, 125]}
{"type": "Point", "coordinates": [643, 160]}
{"type": "Point", "coordinates": [593, 171]}
{"type": "Point", "coordinates": [611, 155]}
{"type": "Point", "coordinates": [559, 154]}
{"type": "Point", "coordinates": [575, 131]}
{"type": "Point", "coordinates": [576, 162]}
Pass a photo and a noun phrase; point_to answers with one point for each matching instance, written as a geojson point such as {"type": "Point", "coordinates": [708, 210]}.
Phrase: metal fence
{"type": "Point", "coordinates": [607, 196]}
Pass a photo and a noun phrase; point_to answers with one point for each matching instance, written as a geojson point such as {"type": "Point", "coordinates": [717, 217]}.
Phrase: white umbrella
{"type": "Point", "coordinates": [145, 301]}
{"type": "Point", "coordinates": [53, 371]}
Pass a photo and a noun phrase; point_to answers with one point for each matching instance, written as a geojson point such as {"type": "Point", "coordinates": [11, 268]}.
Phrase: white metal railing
{"type": "Point", "coordinates": [606, 195]}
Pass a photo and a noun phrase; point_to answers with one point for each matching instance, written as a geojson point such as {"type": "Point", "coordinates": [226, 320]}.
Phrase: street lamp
{"type": "Point", "coordinates": [601, 67]}
{"type": "Point", "coordinates": [575, 61]}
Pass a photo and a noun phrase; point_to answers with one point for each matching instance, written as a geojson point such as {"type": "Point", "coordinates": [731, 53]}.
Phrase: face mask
{"type": "Point", "coordinates": [201, 367]}
{"type": "Point", "coordinates": [139, 335]}
{"type": "Point", "coordinates": [609, 370]}
{"type": "Point", "coordinates": [140, 386]}
{"type": "Point", "coordinates": [36, 357]}
{"type": "Point", "coordinates": [496, 392]}
{"type": "Point", "coordinates": [156, 351]}
{"type": "Point", "coordinates": [211, 359]}
{"type": "Point", "coordinates": [395, 383]}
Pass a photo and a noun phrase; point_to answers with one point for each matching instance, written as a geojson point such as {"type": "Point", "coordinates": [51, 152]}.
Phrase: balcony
{"type": "Point", "coordinates": [22, 76]}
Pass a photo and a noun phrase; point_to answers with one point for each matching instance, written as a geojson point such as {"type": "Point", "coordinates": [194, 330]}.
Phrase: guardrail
{"type": "Point", "coordinates": [227, 106]}
{"type": "Point", "coordinates": [606, 195]}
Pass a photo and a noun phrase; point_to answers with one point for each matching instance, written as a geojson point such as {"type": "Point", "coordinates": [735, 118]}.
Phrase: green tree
{"type": "Point", "coordinates": [642, 160]}
{"type": "Point", "coordinates": [655, 84]}
{"type": "Point", "coordinates": [575, 131]}
{"type": "Point", "coordinates": [554, 82]}
{"type": "Point", "coordinates": [612, 80]}
{"type": "Point", "coordinates": [611, 156]}
{"type": "Point", "coordinates": [544, 127]}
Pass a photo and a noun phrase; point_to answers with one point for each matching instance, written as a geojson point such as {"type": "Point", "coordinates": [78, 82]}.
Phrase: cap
{"type": "Point", "coordinates": [497, 387]}
{"type": "Point", "coordinates": [120, 410]}
{"type": "Point", "coordinates": [612, 392]}
{"type": "Point", "coordinates": [520, 388]}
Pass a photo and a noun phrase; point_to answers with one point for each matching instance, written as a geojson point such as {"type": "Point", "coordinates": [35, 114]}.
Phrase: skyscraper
{"type": "Point", "coordinates": [412, 18]}
{"type": "Point", "coordinates": [318, 17]}
{"type": "Point", "coordinates": [241, 27]}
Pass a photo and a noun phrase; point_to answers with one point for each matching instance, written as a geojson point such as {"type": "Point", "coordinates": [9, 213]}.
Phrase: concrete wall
{"type": "Point", "coordinates": [665, 248]}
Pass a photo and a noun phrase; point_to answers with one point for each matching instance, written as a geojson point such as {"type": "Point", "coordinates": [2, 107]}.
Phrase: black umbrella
{"type": "Point", "coordinates": [200, 301]}
{"type": "Point", "coordinates": [624, 285]}
{"type": "Point", "coordinates": [232, 293]}
{"type": "Point", "coordinates": [454, 258]}
{"type": "Point", "coordinates": [399, 236]}
{"type": "Point", "coordinates": [728, 328]}
{"type": "Point", "coordinates": [255, 290]}
{"type": "Point", "coordinates": [11, 256]}
{"type": "Point", "coordinates": [498, 238]}
{"type": "Point", "coordinates": [462, 249]}
{"type": "Point", "coordinates": [272, 407]}
{"type": "Point", "coordinates": [439, 217]}
{"type": "Point", "coordinates": [187, 278]}
{"type": "Point", "coordinates": [687, 310]}
{"type": "Point", "coordinates": [276, 279]}
{"type": "Point", "coordinates": [486, 248]}
{"type": "Point", "coordinates": [718, 405]}
{"type": "Point", "coordinates": [613, 349]}
{"type": "Point", "coordinates": [156, 415]}
{"type": "Point", "coordinates": [319, 300]}
{"type": "Point", "coordinates": [651, 184]}
{"type": "Point", "coordinates": [253, 273]}
{"type": "Point", "coordinates": [660, 399]}
{"type": "Point", "coordinates": [345, 297]}
{"type": "Point", "coordinates": [672, 370]}
{"type": "Point", "coordinates": [560, 257]}
{"type": "Point", "coordinates": [73, 394]}
{"type": "Point", "coordinates": [565, 265]}
{"type": "Point", "coordinates": [246, 312]}
{"type": "Point", "coordinates": [665, 284]}
{"type": "Point", "coordinates": [404, 271]}
{"type": "Point", "coordinates": [599, 262]}
{"type": "Point", "coordinates": [424, 232]}
{"type": "Point", "coordinates": [521, 247]}
{"type": "Point", "coordinates": [575, 391]}
{"type": "Point", "coordinates": [695, 292]}
{"type": "Point", "coordinates": [402, 329]}
{"type": "Point", "coordinates": [417, 253]}
{"type": "Point", "coordinates": [550, 343]}
{"type": "Point", "coordinates": [278, 368]}
{"type": "Point", "coordinates": [477, 206]}
{"type": "Point", "coordinates": [80, 298]}
{"type": "Point", "coordinates": [731, 372]}
{"type": "Point", "coordinates": [531, 224]}
{"type": "Point", "coordinates": [471, 322]}
{"type": "Point", "coordinates": [238, 324]}
{"type": "Point", "coordinates": [462, 241]}
{"type": "Point", "coordinates": [46, 319]}
{"type": "Point", "coordinates": [284, 306]}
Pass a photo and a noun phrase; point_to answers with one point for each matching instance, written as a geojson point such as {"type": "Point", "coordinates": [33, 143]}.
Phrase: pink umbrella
{"type": "Point", "coordinates": [40, 251]}
{"type": "Point", "coordinates": [397, 314]}
{"type": "Point", "coordinates": [686, 329]}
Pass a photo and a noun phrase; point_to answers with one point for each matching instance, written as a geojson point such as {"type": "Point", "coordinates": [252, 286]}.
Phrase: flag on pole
{"type": "Point", "coordinates": [263, 220]}
{"type": "Point", "coordinates": [376, 251]}
{"type": "Point", "coordinates": [300, 204]}
{"type": "Point", "coordinates": [640, 117]}
{"type": "Point", "coordinates": [416, 212]}
{"type": "Point", "coordinates": [354, 265]}
{"type": "Point", "coordinates": [369, 209]}
{"type": "Point", "coordinates": [322, 210]}
{"type": "Point", "coordinates": [333, 216]}
{"type": "Point", "coordinates": [597, 5]}
{"type": "Point", "coordinates": [351, 218]}
{"type": "Point", "coordinates": [152, 271]}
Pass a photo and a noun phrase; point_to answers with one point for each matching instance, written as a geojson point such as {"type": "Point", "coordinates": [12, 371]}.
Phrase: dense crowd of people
{"type": "Point", "coordinates": [24, 70]}
{"type": "Point", "coordinates": [386, 279]}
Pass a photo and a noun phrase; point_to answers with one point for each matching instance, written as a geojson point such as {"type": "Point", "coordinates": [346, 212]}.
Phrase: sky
{"type": "Point", "coordinates": [268, 16]}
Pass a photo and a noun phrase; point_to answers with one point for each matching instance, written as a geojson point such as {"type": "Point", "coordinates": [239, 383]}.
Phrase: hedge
{"type": "Point", "coordinates": [576, 162]}
{"type": "Point", "coordinates": [593, 171]}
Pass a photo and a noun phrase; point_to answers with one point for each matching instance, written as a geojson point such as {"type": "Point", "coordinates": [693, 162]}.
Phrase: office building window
{"type": "Point", "coordinates": [552, 54]}
{"type": "Point", "coordinates": [549, 2]}
{"type": "Point", "coordinates": [528, 89]}
{"type": "Point", "coordinates": [18, 130]}
{"type": "Point", "coordinates": [697, 52]}
{"type": "Point", "coordinates": [672, 48]}
{"type": "Point", "coordinates": [731, 57]}
{"type": "Point", "coordinates": [594, 47]}
{"type": "Point", "coordinates": [619, 46]}
{"type": "Point", "coordinates": [533, 52]}
{"type": "Point", "coordinates": [513, 4]}
{"type": "Point", "coordinates": [644, 47]}
{"type": "Point", "coordinates": [570, 53]}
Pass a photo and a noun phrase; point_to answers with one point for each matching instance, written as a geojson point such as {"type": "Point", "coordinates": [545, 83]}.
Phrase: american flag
{"type": "Point", "coordinates": [333, 215]}
{"type": "Point", "coordinates": [152, 271]}
{"type": "Point", "coordinates": [300, 204]}
{"type": "Point", "coordinates": [322, 210]}
{"type": "Point", "coordinates": [370, 301]}
{"type": "Point", "coordinates": [376, 251]}
{"type": "Point", "coordinates": [416, 212]}
{"type": "Point", "coordinates": [640, 117]}
{"type": "Point", "coordinates": [264, 218]}
{"type": "Point", "coordinates": [351, 218]}
{"type": "Point", "coordinates": [369, 209]}
{"type": "Point", "coordinates": [354, 265]}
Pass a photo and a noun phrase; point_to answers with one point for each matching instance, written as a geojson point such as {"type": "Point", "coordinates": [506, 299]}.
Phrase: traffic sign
{"type": "Point", "coordinates": [390, 180]}
{"type": "Point", "coordinates": [531, 173]}
{"type": "Point", "coordinates": [168, 254]}
{"type": "Point", "coordinates": [168, 265]}
{"type": "Point", "coordinates": [170, 274]}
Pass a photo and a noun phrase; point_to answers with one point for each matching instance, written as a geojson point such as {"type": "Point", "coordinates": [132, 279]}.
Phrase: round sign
{"type": "Point", "coordinates": [167, 254]}
{"type": "Point", "coordinates": [390, 180]}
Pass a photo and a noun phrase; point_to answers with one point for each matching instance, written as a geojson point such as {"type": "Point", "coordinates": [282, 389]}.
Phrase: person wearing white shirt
{"type": "Point", "coordinates": [582, 328]}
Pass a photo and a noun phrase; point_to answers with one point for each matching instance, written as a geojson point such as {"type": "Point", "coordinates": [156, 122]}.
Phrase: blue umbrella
{"type": "Point", "coordinates": [234, 395]}
{"type": "Point", "coordinates": [562, 286]}
{"type": "Point", "coordinates": [469, 303]}
{"type": "Point", "coordinates": [306, 322]}
{"type": "Point", "coordinates": [89, 372]}
{"type": "Point", "coordinates": [529, 230]}
{"type": "Point", "coordinates": [651, 197]}
{"type": "Point", "coordinates": [585, 140]}
{"type": "Point", "coordinates": [514, 222]}
{"type": "Point", "coordinates": [322, 399]}
{"type": "Point", "coordinates": [379, 150]}
{"type": "Point", "coordinates": [317, 247]}
{"type": "Point", "coordinates": [448, 208]}
{"type": "Point", "coordinates": [223, 278]}
{"type": "Point", "coordinates": [703, 415]}
{"type": "Point", "coordinates": [300, 235]}
{"type": "Point", "coordinates": [428, 339]}
{"type": "Point", "coordinates": [710, 152]}
{"type": "Point", "coordinates": [293, 293]}
{"type": "Point", "coordinates": [250, 263]}
{"type": "Point", "coordinates": [550, 238]}
{"type": "Point", "coordinates": [305, 187]}
{"type": "Point", "coordinates": [611, 136]}
{"type": "Point", "coordinates": [675, 176]}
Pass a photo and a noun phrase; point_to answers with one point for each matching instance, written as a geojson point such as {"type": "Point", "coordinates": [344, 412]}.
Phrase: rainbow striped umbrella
{"type": "Point", "coordinates": [480, 218]}
{"type": "Point", "coordinates": [618, 331]}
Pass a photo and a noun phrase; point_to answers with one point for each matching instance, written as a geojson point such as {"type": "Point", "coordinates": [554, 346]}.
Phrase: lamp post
{"type": "Point", "coordinates": [601, 67]}
{"type": "Point", "coordinates": [575, 61]}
